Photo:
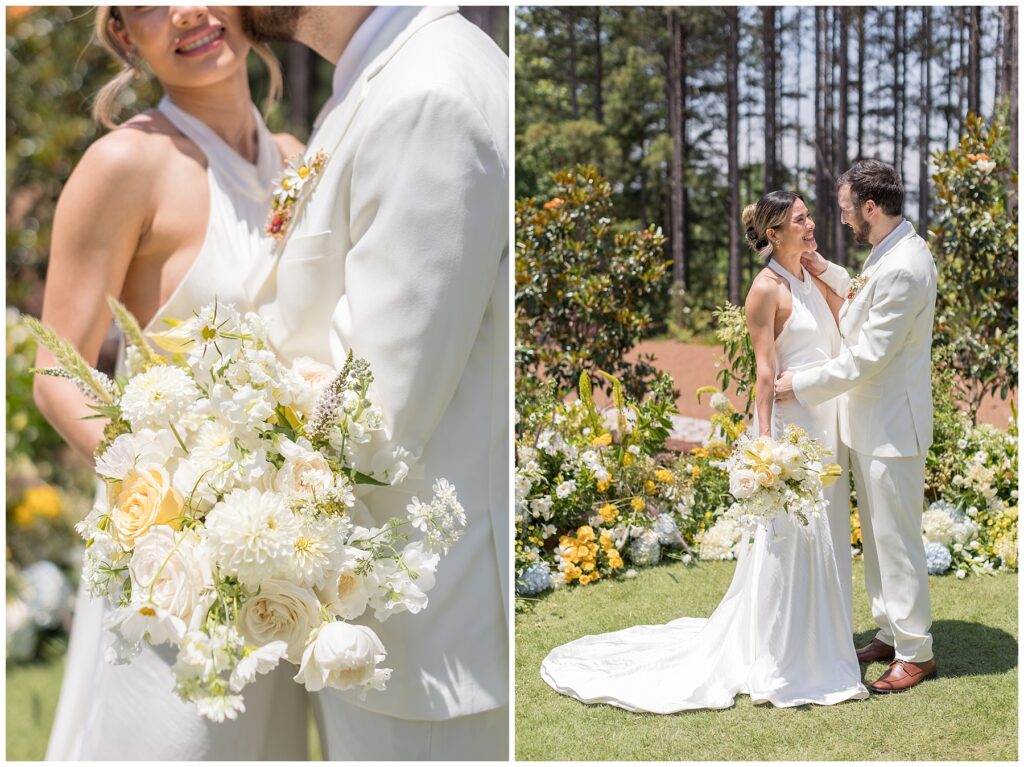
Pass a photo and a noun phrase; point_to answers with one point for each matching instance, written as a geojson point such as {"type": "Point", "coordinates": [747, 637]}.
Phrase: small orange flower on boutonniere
{"type": "Point", "coordinates": [297, 182]}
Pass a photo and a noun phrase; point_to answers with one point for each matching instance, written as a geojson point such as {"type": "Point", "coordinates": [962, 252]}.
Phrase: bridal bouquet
{"type": "Point", "coordinates": [769, 477]}
{"type": "Point", "coordinates": [227, 525]}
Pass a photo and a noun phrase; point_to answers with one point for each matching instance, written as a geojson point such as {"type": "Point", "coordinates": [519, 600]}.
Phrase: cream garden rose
{"type": "Point", "coordinates": [145, 498]}
{"type": "Point", "coordinates": [281, 611]}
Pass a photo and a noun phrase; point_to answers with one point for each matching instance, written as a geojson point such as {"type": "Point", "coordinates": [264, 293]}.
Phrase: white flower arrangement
{"type": "Point", "coordinates": [225, 526]}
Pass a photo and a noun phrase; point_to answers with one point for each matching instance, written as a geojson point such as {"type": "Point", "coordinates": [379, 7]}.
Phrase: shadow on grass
{"type": "Point", "coordinates": [966, 649]}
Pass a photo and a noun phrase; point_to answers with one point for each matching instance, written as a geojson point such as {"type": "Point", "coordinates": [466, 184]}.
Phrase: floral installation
{"type": "Point", "coordinates": [230, 526]}
{"type": "Point", "coordinates": [856, 284]}
{"type": "Point", "coordinates": [295, 184]}
{"type": "Point", "coordinates": [596, 492]}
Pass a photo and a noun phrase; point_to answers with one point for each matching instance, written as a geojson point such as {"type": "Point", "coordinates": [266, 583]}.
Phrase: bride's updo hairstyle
{"type": "Point", "coordinates": [770, 212]}
{"type": "Point", "coordinates": [131, 68]}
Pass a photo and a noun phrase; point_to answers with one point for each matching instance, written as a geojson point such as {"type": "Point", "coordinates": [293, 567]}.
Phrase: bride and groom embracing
{"type": "Point", "coordinates": [847, 360]}
{"type": "Point", "coordinates": [395, 248]}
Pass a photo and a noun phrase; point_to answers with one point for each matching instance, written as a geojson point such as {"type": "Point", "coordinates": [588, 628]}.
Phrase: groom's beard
{"type": "Point", "coordinates": [271, 23]}
{"type": "Point", "coordinates": [861, 231]}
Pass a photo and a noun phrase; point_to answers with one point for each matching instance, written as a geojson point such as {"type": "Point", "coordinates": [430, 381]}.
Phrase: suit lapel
{"type": "Point", "coordinates": [330, 132]}
{"type": "Point", "coordinates": [869, 271]}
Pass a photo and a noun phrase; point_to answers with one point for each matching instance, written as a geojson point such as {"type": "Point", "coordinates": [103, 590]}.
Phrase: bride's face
{"type": "Point", "coordinates": [188, 46]}
{"type": "Point", "coordinates": [797, 234]}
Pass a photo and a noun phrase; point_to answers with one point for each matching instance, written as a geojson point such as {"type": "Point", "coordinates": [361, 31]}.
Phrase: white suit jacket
{"type": "Point", "coordinates": [401, 255]}
{"type": "Point", "coordinates": [883, 374]}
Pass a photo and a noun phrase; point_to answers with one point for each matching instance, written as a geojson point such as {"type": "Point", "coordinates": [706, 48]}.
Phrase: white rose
{"type": "Point", "coordinates": [743, 483]}
{"type": "Point", "coordinates": [173, 571]}
{"type": "Point", "coordinates": [342, 656]}
{"type": "Point", "coordinates": [305, 473]}
{"type": "Point", "coordinates": [281, 611]}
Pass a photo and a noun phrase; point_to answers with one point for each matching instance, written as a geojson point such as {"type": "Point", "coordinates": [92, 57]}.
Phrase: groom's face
{"type": "Point", "coordinates": [853, 216]}
{"type": "Point", "coordinates": [271, 23]}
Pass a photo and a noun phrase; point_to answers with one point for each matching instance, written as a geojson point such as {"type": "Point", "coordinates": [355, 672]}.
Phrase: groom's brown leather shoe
{"type": "Point", "coordinates": [902, 675]}
{"type": "Point", "coordinates": [875, 650]}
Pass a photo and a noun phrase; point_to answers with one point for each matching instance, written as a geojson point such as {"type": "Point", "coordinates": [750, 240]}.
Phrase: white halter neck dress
{"type": "Point", "coordinates": [782, 634]}
{"type": "Point", "coordinates": [131, 712]}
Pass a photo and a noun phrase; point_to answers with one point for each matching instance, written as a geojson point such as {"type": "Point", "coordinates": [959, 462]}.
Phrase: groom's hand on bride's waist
{"type": "Point", "coordinates": [813, 262]}
{"type": "Point", "coordinates": [784, 387]}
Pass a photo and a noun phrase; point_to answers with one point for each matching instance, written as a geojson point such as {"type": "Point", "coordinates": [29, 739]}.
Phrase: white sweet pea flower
{"type": "Point", "coordinates": [347, 595]}
{"type": "Point", "coordinates": [136, 450]}
{"type": "Point", "coordinates": [342, 656]}
{"type": "Point", "coordinates": [260, 660]}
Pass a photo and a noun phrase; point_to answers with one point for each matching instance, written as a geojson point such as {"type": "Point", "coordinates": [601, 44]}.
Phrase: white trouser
{"type": "Point", "coordinates": [890, 492]}
{"type": "Point", "coordinates": [350, 733]}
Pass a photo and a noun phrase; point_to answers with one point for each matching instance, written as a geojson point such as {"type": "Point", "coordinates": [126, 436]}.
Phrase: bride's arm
{"type": "Point", "coordinates": [832, 275]}
{"type": "Point", "coordinates": [99, 220]}
{"type": "Point", "coordinates": [761, 306]}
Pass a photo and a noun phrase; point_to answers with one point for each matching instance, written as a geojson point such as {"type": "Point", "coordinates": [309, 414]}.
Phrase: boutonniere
{"type": "Point", "coordinates": [855, 286]}
{"type": "Point", "coordinates": [295, 184]}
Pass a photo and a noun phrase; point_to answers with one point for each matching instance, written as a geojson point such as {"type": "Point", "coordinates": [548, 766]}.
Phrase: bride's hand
{"type": "Point", "coordinates": [813, 262]}
{"type": "Point", "coordinates": [784, 387]}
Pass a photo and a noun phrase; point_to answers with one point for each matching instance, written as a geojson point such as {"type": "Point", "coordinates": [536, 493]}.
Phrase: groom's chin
{"type": "Point", "coordinates": [271, 23]}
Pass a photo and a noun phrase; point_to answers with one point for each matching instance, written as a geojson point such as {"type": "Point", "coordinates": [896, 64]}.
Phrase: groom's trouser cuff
{"type": "Point", "coordinates": [890, 494]}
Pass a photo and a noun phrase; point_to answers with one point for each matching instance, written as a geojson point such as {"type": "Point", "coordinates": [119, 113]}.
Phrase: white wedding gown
{"type": "Point", "coordinates": [782, 634]}
{"type": "Point", "coordinates": [131, 712]}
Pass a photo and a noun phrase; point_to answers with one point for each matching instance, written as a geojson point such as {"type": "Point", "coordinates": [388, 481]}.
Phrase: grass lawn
{"type": "Point", "coordinates": [32, 692]}
{"type": "Point", "coordinates": [968, 713]}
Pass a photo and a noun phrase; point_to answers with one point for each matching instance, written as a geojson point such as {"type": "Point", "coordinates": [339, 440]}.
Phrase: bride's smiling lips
{"type": "Point", "coordinates": [200, 41]}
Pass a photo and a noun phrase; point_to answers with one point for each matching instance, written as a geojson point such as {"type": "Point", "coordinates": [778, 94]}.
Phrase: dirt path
{"type": "Point", "coordinates": [694, 365]}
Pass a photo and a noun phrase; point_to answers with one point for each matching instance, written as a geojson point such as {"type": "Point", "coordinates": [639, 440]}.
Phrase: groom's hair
{"type": "Point", "coordinates": [874, 180]}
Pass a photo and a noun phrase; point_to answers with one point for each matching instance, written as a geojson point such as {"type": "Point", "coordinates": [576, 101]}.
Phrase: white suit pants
{"type": "Point", "coordinates": [890, 492]}
{"type": "Point", "coordinates": [350, 733]}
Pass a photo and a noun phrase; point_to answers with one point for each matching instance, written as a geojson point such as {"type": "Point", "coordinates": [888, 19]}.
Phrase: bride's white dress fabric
{"type": "Point", "coordinates": [782, 634]}
{"type": "Point", "coordinates": [131, 712]}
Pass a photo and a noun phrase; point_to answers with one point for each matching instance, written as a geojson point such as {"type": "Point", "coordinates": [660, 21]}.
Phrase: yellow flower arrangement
{"type": "Point", "coordinates": [41, 501]}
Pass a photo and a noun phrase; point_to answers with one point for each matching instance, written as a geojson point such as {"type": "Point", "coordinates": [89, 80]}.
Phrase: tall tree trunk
{"type": "Point", "coordinates": [974, 61]}
{"type": "Point", "coordinates": [770, 119]}
{"type": "Point", "coordinates": [924, 143]}
{"type": "Point", "coordinates": [861, 13]}
{"type": "Point", "coordinates": [950, 114]}
{"type": "Point", "coordinates": [844, 111]}
{"type": "Point", "coordinates": [997, 54]}
{"type": "Point", "coordinates": [732, 65]}
{"type": "Point", "coordinates": [821, 166]}
{"type": "Point", "coordinates": [573, 84]}
{"type": "Point", "coordinates": [1010, 21]}
{"type": "Point", "coordinates": [897, 90]}
{"type": "Point", "coordinates": [961, 102]}
{"type": "Point", "coordinates": [298, 64]}
{"type": "Point", "coordinates": [677, 127]}
{"type": "Point", "coordinates": [798, 97]}
{"type": "Point", "coordinates": [598, 72]}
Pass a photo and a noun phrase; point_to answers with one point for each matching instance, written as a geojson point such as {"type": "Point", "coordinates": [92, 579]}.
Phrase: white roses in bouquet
{"type": "Point", "coordinates": [768, 478]}
{"type": "Point", "coordinates": [225, 527]}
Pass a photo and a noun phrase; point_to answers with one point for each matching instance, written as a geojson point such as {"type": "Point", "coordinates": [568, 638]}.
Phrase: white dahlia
{"type": "Point", "coordinates": [251, 535]}
{"type": "Point", "coordinates": [158, 397]}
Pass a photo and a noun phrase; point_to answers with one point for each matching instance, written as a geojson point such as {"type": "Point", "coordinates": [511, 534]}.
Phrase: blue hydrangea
{"type": "Point", "coordinates": [645, 550]}
{"type": "Point", "coordinates": [953, 512]}
{"type": "Point", "coordinates": [534, 579]}
{"type": "Point", "coordinates": [938, 556]}
{"type": "Point", "coordinates": [668, 531]}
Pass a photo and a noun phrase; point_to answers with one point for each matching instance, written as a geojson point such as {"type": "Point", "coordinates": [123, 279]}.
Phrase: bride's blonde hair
{"type": "Point", "coordinates": [131, 67]}
{"type": "Point", "coordinates": [770, 212]}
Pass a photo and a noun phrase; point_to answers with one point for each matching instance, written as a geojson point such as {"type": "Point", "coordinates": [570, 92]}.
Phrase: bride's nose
{"type": "Point", "coordinates": [187, 15]}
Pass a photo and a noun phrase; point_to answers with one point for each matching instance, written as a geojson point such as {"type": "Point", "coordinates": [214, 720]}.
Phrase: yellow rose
{"type": "Point", "coordinates": [603, 441]}
{"type": "Point", "coordinates": [145, 498]}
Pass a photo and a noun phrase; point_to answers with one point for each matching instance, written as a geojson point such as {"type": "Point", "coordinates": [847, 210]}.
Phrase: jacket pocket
{"type": "Point", "coordinates": [310, 247]}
